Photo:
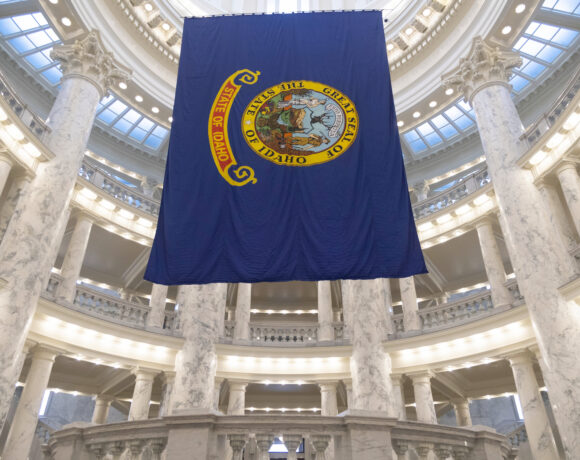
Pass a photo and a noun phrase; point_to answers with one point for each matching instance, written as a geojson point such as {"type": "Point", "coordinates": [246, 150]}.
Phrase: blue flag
{"type": "Point", "coordinates": [284, 158]}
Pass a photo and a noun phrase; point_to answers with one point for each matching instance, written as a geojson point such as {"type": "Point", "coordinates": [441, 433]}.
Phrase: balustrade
{"type": "Point", "coordinates": [459, 311]}
{"type": "Point", "coordinates": [136, 438]}
{"type": "Point", "coordinates": [518, 436]}
{"type": "Point", "coordinates": [112, 186]}
{"type": "Point", "coordinates": [105, 306]}
{"type": "Point", "coordinates": [36, 124]}
{"type": "Point", "coordinates": [465, 187]}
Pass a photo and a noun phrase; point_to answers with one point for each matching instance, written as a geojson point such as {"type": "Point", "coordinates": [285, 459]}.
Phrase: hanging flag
{"type": "Point", "coordinates": [284, 157]}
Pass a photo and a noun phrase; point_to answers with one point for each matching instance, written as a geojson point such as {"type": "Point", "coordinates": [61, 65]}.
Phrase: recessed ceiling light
{"type": "Point", "coordinates": [506, 30]}
{"type": "Point", "coordinates": [155, 109]}
{"type": "Point", "coordinates": [139, 98]}
{"type": "Point", "coordinates": [170, 119]}
{"type": "Point", "coordinates": [66, 21]}
{"type": "Point", "coordinates": [449, 91]}
{"type": "Point", "coordinates": [427, 12]}
{"type": "Point", "coordinates": [416, 114]}
{"type": "Point", "coordinates": [54, 2]}
{"type": "Point", "coordinates": [390, 46]}
{"type": "Point", "coordinates": [409, 30]}
{"type": "Point", "coordinates": [148, 6]}
{"type": "Point", "coordinates": [520, 8]}
{"type": "Point", "coordinates": [433, 104]}
{"type": "Point", "coordinates": [400, 123]}
{"type": "Point", "coordinates": [166, 26]}
{"type": "Point", "coordinates": [123, 85]}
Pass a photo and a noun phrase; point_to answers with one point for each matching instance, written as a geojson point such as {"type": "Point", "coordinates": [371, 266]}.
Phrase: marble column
{"type": "Point", "coordinates": [167, 382]}
{"type": "Point", "coordinates": [217, 389]}
{"type": "Point", "coordinates": [243, 306]}
{"type": "Point", "coordinates": [347, 307]}
{"type": "Point", "coordinates": [141, 400]}
{"type": "Point", "coordinates": [570, 183]}
{"type": "Point", "coordinates": [397, 381]}
{"type": "Point", "coordinates": [370, 366]}
{"type": "Point", "coordinates": [237, 400]}
{"type": "Point", "coordinates": [541, 262]}
{"type": "Point", "coordinates": [557, 211]}
{"type": "Point", "coordinates": [29, 240]}
{"type": "Point", "coordinates": [74, 257]}
{"type": "Point", "coordinates": [17, 189]}
{"type": "Point", "coordinates": [325, 327]}
{"type": "Point", "coordinates": [424, 397]}
{"type": "Point", "coordinates": [21, 432]}
{"type": "Point", "coordinates": [411, 319]}
{"type": "Point", "coordinates": [6, 165]}
{"type": "Point", "coordinates": [197, 361]}
{"type": "Point", "coordinates": [540, 436]}
{"type": "Point", "coordinates": [388, 306]}
{"type": "Point", "coordinates": [500, 295]}
{"type": "Point", "coordinates": [328, 401]}
{"type": "Point", "coordinates": [156, 317]}
{"type": "Point", "coordinates": [462, 414]}
{"type": "Point", "coordinates": [101, 410]}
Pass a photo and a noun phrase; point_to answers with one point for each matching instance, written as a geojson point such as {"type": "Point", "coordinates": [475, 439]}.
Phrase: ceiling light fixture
{"type": "Point", "coordinates": [506, 30]}
{"type": "Point", "coordinates": [433, 104]}
{"type": "Point", "coordinates": [449, 91]}
{"type": "Point", "coordinates": [520, 8]}
{"type": "Point", "coordinates": [400, 123]}
{"type": "Point", "coordinates": [427, 12]}
{"type": "Point", "coordinates": [139, 98]}
{"type": "Point", "coordinates": [390, 47]}
{"type": "Point", "coordinates": [148, 7]}
{"type": "Point", "coordinates": [66, 21]}
{"type": "Point", "coordinates": [409, 31]}
{"type": "Point", "coordinates": [416, 114]}
{"type": "Point", "coordinates": [123, 85]}
{"type": "Point", "coordinates": [166, 27]}
{"type": "Point", "coordinates": [155, 109]}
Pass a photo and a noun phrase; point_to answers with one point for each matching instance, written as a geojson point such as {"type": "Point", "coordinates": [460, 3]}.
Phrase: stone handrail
{"type": "Point", "coordinates": [457, 312]}
{"type": "Point", "coordinates": [465, 187]}
{"type": "Point", "coordinates": [108, 307]}
{"type": "Point", "coordinates": [536, 130]}
{"type": "Point", "coordinates": [36, 124]}
{"type": "Point", "coordinates": [268, 334]}
{"type": "Point", "coordinates": [153, 438]}
{"type": "Point", "coordinates": [518, 436]}
{"type": "Point", "coordinates": [104, 181]}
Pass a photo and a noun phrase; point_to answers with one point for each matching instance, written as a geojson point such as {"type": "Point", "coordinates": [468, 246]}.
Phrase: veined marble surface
{"type": "Point", "coordinates": [370, 365]}
{"type": "Point", "coordinates": [243, 305]}
{"type": "Point", "coordinates": [141, 399]}
{"type": "Point", "coordinates": [201, 306]}
{"type": "Point", "coordinates": [540, 261]}
{"type": "Point", "coordinates": [325, 328]}
{"type": "Point", "coordinates": [157, 303]}
{"type": "Point", "coordinates": [411, 319]}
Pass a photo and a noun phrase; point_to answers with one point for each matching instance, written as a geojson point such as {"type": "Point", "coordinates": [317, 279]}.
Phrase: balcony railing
{"type": "Point", "coordinates": [36, 124]}
{"type": "Point", "coordinates": [442, 200]}
{"type": "Point", "coordinates": [536, 130]}
{"type": "Point", "coordinates": [457, 312]}
{"type": "Point", "coordinates": [255, 433]}
{"type": "Point", "coordinates": [110, 308]}
{"type": "Point", "coordinates": [101, 179]}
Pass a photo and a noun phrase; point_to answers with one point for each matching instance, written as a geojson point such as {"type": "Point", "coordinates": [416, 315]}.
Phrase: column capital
{"type": "Point", "coordinates": [421, 377]}
{"type": "Point", "coordinates": [105, 398]}
{"type": "Point", "coordinates": [168, 376]}
{"type": "Point", "coordinates": [523, 357]}
{"type": "Point", "coordinates": [398, 379]}
{"type": "Point", "coordinates": [486, 64]}
{"type": "Point", "coordinates": [566, 164]}
{"type": "Point", "coordinates": [327, 386]}
{"type": "Point", "coordinates": [87, 58]}
{"type": "Point", "coordinates": [44, 352]}
{"type": "Point", "coordinates": [237, 385]}
{"type": "Point", "coordinates": [144, 374]}
{"type": "Point", "coordinates": [483, 221]}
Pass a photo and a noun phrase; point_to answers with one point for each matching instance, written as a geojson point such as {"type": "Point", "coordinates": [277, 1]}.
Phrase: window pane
{"type": "Point", "coordinates": [53, 75]}
{"type": "Point", "coordinates": [549, 54]}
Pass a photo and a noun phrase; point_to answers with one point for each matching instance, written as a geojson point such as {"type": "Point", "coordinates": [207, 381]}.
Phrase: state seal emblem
{"type": "Point", "coordinates": [294, 123]}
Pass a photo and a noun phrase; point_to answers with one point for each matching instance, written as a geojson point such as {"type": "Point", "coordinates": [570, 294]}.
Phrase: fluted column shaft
{"type": "Point", "coordinates": [540, 436]}
{"type": "Point", "coordinates": [570, 183]}
{"type": "Point", "coordinates": [74, 257]}
{"type": "Point", "coordinates": [25, 419]}
{"type": "Point", "coordinates": [370, 366]}
{"type": "Point", "coordinates": [243, 306]}
{"type": "Point", "coordinates": [196, 363]}
{"type": "Point", "coordinates": [411, 320]}
{"type": "Point", "coordinates": [237, 401]}
{"type": "Point", "coordinates": [325, 328]}
{"type": "Point", "coordinates": [424, 398]}
{"type": "Point", "coordinates": [494, 268]}
{"type": "Point", "coordinates": [141, 395]}
{"type": "Point", "coordinates": [157, 303]}
{"type": "Point", "coordinates": [32, 234]}
{"type": "Point", "coordinates": [462, 414]}
{"type": "Point", "coordinates": [540, 259]}
{"type": "Point", "coordinates": [101, 410]}
{"type": "Point", "coordinates": [5, 168]}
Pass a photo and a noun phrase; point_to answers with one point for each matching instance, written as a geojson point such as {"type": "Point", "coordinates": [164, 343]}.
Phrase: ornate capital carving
{"type": "Point", "coordinates": [87, 58]}
{"type": "Point", "coordinates": [485, 64]}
